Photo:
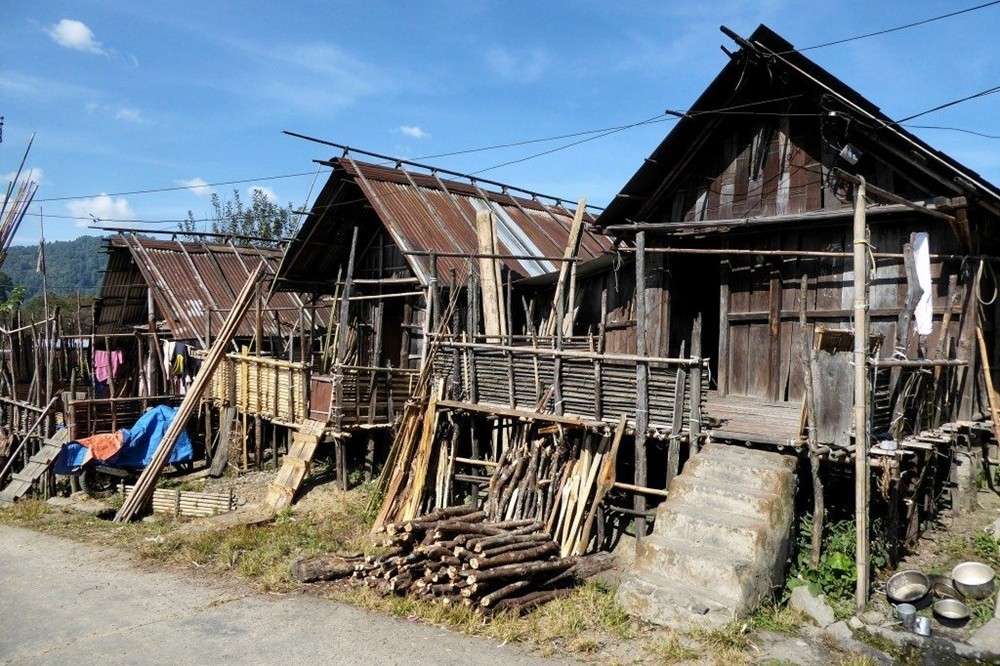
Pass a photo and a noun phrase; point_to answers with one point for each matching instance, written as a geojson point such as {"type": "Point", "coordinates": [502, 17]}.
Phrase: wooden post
{"type": "Point", "coordinates": [722, 365]}
{"type": "Point", "coordinates": [774, 374]}
{"type": "Point", "coordinates": [642, 384]}
{"type": "Point", "coordinates": [694, 443]}
{"type": "Point", "coordinates": [817, 484]}
{"type": "Point", "coordinates": [861, 471]}
{"type": "Point", "coordinates": [338, 382]}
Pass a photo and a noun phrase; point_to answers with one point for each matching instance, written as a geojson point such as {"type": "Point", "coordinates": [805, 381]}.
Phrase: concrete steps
{"type": "Point", "coordinates": [720, 539]}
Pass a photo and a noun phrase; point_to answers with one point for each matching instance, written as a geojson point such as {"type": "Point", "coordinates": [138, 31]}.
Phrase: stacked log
{"type": "Point", "coordinates": [455, 556]}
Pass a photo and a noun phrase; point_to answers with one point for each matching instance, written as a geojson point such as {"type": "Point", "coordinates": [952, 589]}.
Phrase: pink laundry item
{"type": "Point", "coordinates": [106, 364]}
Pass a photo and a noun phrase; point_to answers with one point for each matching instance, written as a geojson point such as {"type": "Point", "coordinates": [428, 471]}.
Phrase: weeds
{"type": "Point", "coordinates": [671, 650]}
{"type": "Point", "coordinates": [779, 619]}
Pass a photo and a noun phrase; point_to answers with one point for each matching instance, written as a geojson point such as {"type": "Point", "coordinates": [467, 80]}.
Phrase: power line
{"type": "Point", "coordinates": [655, 119]}
{"type": "Point", "coordinates": [736, 109]}
{"type": "Point", "coordinates": [180, 187]}
{"type": "Point", "coordinates": [897, 28]}
{"type": "Point", "coordinates": [955, 129]}
{"type": "Point", "coordinates": [983, 93]}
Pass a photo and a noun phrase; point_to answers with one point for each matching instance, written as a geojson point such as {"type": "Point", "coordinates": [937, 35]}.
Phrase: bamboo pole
{"type": "Point", "coordinates": [861, 465]}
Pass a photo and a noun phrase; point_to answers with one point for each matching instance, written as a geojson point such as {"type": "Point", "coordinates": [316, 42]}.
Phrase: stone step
{"type": "Point", "coordinates": [725, 497]}
{"type": "Point", "coordinates": [733, 471]}
{"type": "Point", "coordinates": [673, 603]}
{"type": "Point", "coordinates": [751, 457]}
{"type": "Point", "coordinates": [701, 566]}
{"type": "Point", "coordinates": [706, 526]}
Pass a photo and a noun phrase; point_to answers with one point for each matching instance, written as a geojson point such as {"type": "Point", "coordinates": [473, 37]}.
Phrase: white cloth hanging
{"type": "Point", "coordinates": [924, 312]}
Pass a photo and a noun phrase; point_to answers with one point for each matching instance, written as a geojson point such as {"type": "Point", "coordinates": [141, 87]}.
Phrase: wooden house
{"type": "Point", "coordinates": [160, 306]}
{"type": "Point", "coordinates": [398, 248]}
{"type": "Point", "coordinates": [742, 224]}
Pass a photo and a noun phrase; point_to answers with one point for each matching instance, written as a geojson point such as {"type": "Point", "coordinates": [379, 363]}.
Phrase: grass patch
{"type": "Point", "coordinates": [779, 619]}
{"type": "Point", "coordinates": [672, 650]}
{"type": "Point", "coordinates": [732, 638]}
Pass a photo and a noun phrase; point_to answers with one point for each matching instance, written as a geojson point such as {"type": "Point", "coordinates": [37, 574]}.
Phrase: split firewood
{"type": "Point", "coordinates": [538, 553]}
{"type": "Point", "coordinates": [493, 597]}
{"type": "Point", "coordinates": [507, 539]}
{"type": "Point", "coordinates": [519, 570]}
{"type": "Point", "coordinates": [532, 600]}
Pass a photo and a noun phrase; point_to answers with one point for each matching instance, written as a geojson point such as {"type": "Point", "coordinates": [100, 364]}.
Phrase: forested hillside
{"type": "Point", "coordinates": [71, 266]}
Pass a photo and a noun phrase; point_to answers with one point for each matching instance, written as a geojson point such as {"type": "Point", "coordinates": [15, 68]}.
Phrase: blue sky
{"type": "Point", "coordinates": [128, 96]}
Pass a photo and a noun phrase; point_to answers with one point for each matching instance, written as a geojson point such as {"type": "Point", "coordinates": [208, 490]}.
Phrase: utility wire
{"type": "Point", "coordinates": [983, 93]}
{"type": "Point", "coordinates": [955, 129]}
{"type": "Point", "coordinates": [180, 187]}
{"type": "Point", "coordinates": [895, 29]}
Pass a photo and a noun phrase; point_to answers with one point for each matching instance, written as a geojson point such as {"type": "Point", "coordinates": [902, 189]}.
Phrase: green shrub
{"type": "Point", "coordinates": [836, 575]}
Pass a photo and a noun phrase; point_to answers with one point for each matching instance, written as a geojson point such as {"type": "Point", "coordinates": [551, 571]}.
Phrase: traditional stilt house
{"type": "Point", "coordinates": [402, 250]}
{"type": "Point", "coordinates": [816, 253]}
{"type": "Point", "coordinates": [161, 304]}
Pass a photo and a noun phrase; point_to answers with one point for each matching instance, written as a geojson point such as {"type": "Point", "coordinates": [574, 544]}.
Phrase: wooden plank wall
{"type": "Point", "coordinates": [762, 168]}
{"type": "Point", "coordinates": [763, 301]}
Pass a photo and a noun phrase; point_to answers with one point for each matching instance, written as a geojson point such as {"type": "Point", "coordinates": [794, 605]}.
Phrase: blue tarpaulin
{"type": "Point", "coordinates": [138, 444]}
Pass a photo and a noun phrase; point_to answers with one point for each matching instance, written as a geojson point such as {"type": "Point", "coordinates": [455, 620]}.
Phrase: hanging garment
{"type": "Point", "coordinates": [924, 312]}
{"type": "Point", "coordinates": [106, 364]}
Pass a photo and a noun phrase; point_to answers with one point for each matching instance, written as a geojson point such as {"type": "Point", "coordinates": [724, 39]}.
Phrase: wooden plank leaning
{"type": "Point", "coordinates": [146, 483]}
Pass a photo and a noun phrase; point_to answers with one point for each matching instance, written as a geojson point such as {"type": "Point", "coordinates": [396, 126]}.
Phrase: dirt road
{"type": "Point", "coordinates": [63, 602]}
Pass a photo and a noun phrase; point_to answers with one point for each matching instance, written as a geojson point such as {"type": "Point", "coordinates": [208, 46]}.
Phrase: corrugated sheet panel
{"type": "Point", "coordinates": [192, 283]}
{"type": "Point", "coordinates": [425, 213]}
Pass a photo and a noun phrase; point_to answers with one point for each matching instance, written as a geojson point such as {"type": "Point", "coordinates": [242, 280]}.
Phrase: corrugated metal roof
{"type": "Point", "coordinates": [425, 213]}
{"type": "Point", "coordinates": [191, 283]}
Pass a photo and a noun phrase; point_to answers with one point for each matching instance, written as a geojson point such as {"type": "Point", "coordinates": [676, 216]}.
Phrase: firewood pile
{"type": "Point", "coordinates": [543, 474]}
{"type": "Point", "coordinates": [557, 483]}
{"type": "Point", "coordinates": [455, 556]}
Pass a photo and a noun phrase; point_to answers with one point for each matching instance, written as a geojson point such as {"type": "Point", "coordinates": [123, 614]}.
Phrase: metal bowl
{"type": "Point", "coordinates": [951, 612]}
{"type": "Point", "coordinates": [974, 579]}
{"type": "Point", "coordinates": [947, 591]}
{"type": "Point", "coordinates": [907, 587]}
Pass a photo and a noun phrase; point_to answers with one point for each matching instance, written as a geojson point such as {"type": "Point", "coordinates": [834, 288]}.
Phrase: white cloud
{"type": "Point", "coordinates": [414, 132]}
{"type": "Point", "coordinates": [198, 186]}
{"type": "Point", "coordinates": [33, 174]}
{"type": "Point", "coordinates": [75, 35]}
{"type": "Point", "coordinates": [526, 65]}
{"type": "Point", "coordinates": [123, 113]}
{"type": "Point", "coordinates": [269, 194]}
{"type": "Point", "coordinates": [102, 207]}
{"type": "Point", "coordinates": [129, 115]}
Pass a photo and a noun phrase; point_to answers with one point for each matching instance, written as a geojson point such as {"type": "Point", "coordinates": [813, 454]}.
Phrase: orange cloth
{"type": "Point", "coordinates": [103, 446]}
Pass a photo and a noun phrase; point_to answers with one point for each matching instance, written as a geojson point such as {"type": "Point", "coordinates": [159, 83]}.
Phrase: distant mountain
{"type": "Point", "coordinates": [70, 266]}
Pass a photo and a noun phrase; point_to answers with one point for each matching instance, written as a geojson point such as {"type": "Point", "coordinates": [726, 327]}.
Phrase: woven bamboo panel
{"type": "Point", "coordinates": [270, 388]}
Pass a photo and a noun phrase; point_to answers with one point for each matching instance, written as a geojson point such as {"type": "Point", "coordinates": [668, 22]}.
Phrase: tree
{"type": "Point", "coordinates": [263, 223]}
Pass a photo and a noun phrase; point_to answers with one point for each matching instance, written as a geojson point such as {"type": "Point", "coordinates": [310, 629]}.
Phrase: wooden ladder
{"type": "Point", "coordinates": [37, 465]}
{"type": "Point", "coordinates": [295, 467]}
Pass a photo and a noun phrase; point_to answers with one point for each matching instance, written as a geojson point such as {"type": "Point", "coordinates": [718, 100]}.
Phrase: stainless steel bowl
{"type": "Point", "coordinates": [907, 587]}
{"type": "Point", "coordinates": [974, 579]}
{"type": "Point", "coordinates": [951, 612]}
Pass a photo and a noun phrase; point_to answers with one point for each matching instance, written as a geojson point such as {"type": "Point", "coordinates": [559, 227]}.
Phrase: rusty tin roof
{"type": "Point", "coordinates": [423, 212]}
{"type": "Point", "coordinates": [191, 283]}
